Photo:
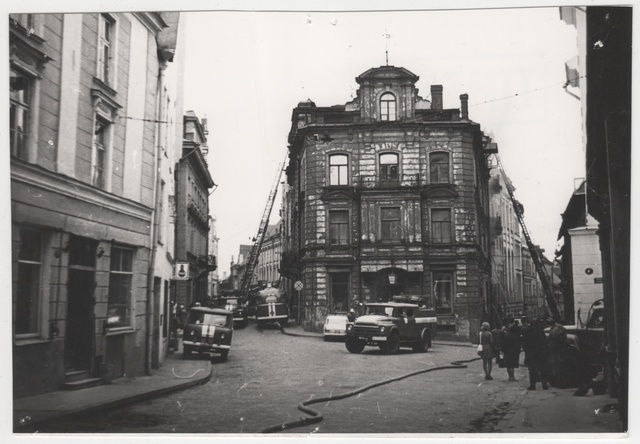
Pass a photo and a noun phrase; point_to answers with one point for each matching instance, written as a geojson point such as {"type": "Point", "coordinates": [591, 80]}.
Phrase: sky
{"type": "Point", "coordinates": [246, 71]}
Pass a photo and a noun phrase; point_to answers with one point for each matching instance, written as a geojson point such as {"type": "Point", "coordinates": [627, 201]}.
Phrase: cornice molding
{"type": "Point", "coordinates": [39, 177]}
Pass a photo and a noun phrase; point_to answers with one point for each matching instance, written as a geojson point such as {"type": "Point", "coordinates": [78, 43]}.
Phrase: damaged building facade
{"type": "Point", "coordinates": [388, 195]}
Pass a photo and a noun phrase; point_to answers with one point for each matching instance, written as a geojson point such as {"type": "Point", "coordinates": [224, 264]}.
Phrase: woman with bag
{"type": "Point", "coordinates": [486, 343]}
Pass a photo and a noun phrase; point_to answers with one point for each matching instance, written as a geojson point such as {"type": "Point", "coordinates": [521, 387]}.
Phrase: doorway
{"type": "Point", "coordinates": [79, 334]}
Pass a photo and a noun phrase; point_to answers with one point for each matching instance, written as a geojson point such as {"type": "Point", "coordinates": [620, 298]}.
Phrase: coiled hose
{"type": "Point", "coordinates": [316, 416]}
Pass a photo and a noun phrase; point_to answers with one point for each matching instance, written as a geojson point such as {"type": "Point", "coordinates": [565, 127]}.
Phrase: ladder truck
{"type": "Point", "coordinates": [536, 254]}
{"type": "Point", "coordinates": [258, 239]}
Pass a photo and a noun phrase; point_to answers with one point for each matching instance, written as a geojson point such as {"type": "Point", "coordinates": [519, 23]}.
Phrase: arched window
{"type": "Point", "coordinates": [338, 169]}
{"type": "Point", "coordinates": [387, 107]}
{"type": "Point", "coordinates": [439, 167]}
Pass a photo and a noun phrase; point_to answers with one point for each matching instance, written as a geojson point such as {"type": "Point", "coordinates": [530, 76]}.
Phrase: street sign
{"type": "Point", "coordinates": [181, 271]}
{"type": "Point", "coordinates": [298, 285]}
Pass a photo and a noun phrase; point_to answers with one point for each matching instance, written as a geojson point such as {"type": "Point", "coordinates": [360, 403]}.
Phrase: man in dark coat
{"type": "Point", "coordinates": [536, 351]}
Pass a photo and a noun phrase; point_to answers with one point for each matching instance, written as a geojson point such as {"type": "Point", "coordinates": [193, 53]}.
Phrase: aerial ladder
{"type": "Point", "coordinates": [258, 239]}
{"type": "Point", "coordinates": [535, 252]}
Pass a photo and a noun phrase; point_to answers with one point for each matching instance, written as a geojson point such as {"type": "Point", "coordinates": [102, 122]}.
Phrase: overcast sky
{"type": "Point", "coordinates": [246, 71]}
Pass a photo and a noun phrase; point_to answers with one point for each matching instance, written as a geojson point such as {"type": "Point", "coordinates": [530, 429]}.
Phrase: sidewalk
{"type": "Point", "coordinates": [559, 411]}
{"type": "Point", "coordinates": [175, 374]}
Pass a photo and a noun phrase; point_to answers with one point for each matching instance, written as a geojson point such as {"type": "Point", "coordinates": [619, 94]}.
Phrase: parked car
{"type": "Point", "coordinates": [335, 326]}
{"type": "Point", "coordinates": [236, 305]}
{"type": "Point", "coordinates": [391, 325]}
{"type": "Point", "coordinates": [207, 330]}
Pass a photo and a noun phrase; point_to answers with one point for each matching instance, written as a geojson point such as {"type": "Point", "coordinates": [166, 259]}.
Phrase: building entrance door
{"type": "Point", "coordinates": [78, 345]}
{"type": "Point", "coordinates": [80, 331]}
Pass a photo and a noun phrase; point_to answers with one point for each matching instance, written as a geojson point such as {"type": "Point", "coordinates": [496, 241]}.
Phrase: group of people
{"type": "Point", "coordinates": [506, 344]}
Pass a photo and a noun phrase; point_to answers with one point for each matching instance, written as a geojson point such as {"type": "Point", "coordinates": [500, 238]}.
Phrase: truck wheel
{"type": "Point", "coordinates": [224, 355]}
{"type": "Point", "coordinates": [186, 350]}
{"type": "Point", "coordinates": [354, 345]}
{"type": "Point", "coordinates": [424, 343]}
{"type": "Point", "coordinates": [392, 345]}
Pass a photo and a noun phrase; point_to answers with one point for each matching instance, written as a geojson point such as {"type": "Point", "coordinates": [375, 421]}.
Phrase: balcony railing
{"type": "Point", "coordinates": [404, 180]}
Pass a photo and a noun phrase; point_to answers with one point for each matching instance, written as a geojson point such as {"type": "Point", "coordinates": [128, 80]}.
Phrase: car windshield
{"type": "Point", "coordinates": [377, 310]}
{"type": "Point", "coordinates": [196, 317]}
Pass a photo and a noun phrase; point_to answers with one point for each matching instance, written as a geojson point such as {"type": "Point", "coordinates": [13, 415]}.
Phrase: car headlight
{"type": "Point", "coordinates": [222, 336]}
{"type": "Point", "coordinates": [349, 327]}
{"type": "Point", "coordinates": [192, 332]}
{"type": "Point", "coordinates": [381, 329]}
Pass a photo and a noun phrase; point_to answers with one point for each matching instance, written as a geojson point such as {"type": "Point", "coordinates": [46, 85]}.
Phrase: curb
{"type": "Point", "coordinates": [320, 336]}
{"type": "Point", "coordinates": [113, 404]}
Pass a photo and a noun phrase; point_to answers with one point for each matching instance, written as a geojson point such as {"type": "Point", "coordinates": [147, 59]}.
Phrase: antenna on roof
{"type": "Point", "coordinates": [386, 47]}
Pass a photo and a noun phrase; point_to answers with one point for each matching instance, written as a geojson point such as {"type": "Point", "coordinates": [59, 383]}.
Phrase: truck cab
{"type": "Point", "coordinates": [391, 325]}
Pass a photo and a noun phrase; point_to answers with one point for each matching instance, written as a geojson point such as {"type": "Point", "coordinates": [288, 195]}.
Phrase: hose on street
{"type": "Point", "coordinates": [315, 416]}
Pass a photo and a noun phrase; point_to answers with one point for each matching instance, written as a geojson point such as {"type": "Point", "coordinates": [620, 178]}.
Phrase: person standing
{"type": "Point", "coordinates": [511, 348]}
{"type": "Point", "coordinates": [351, 316]}
{"type": "Point", "coordinates": [486, 340]}
{"type": "Point", "coordinates": [536, 351]}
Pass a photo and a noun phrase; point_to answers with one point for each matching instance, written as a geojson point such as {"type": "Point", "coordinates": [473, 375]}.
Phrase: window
{"type": "Point", "coordinates": [387, 107]}
{"type": "Point", "coordinates": [390, 224]}
{"type": "Point", "coordinates": [338, 169]}
{"type": "Point", "coordinates": [101, 136]}
{"type": "Point", "coordinates": [28, 285]}
{"type": "Point", "coordinates": [439, 167]}
{"type": "Point", "coordinates": [20, 92]}
{"type": "Point", "coordinates": [388, 168]}
{"type": "Point", "coordinates": [120, 276]}
{"type": "Point", "coordinates": [339, 292]}
{"type": "Point", "coordinates": [443, 291]}
{"type": "Point", "coordinates": [441, 225]}
{"type": "Point", "coordinates": [106, 40]}
{"type": "Point", "coordinates": [339, 227]}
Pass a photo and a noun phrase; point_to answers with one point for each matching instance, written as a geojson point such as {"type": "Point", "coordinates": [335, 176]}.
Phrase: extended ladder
{"type": "Point", "coordinates": [254, 254]}
{"type": "Point", "coordinates": [518, 208]}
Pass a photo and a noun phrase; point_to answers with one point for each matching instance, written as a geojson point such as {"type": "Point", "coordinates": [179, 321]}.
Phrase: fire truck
{"type": "Point", "coordinates": [271, 306]}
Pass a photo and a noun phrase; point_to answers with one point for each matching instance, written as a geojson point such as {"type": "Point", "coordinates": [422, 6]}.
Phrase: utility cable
{"type": "Point", "coordinates": [315, 416]}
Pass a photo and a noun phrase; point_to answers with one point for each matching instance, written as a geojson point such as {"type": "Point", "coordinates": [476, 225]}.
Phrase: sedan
{"type": "Point", "coordinates": [335, 327]}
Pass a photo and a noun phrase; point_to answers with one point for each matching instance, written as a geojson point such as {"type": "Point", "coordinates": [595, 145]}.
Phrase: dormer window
{"type": "Point", "coordinates": [387, 107]}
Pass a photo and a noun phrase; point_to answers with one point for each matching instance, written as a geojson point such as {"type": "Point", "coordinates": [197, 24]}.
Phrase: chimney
{"type": "Point", "coordinates": [436, 96]}
{"type": "Point", "coordinates": [464, 106]}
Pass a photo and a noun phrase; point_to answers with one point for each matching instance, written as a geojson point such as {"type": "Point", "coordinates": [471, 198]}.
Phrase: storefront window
{"type": "Point", "coordinates": [120, 277]}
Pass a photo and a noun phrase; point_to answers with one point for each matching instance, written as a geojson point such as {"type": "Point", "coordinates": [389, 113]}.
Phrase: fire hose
{"type": "Point", "coordinates": [316, 416]}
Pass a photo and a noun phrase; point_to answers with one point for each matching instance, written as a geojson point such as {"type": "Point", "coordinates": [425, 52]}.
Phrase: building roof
{"type": "Point", "coordinates": [386, 72]}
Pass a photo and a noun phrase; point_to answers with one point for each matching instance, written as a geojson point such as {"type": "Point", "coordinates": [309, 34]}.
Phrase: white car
{"type": "Point", "coordinates": [335, 327]}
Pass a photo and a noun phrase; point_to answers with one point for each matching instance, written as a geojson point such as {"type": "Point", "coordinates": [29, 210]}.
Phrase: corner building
{"type": "Point", "coordinates": [388, 195]}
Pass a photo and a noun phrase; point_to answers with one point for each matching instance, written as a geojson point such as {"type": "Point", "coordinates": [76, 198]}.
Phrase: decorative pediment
{"type": "Point", "coordinates": [104, 105]}
{"type": "Point", "coordinates": [440, 191]}
{"type": "Point", "coordinates": [330, 193]}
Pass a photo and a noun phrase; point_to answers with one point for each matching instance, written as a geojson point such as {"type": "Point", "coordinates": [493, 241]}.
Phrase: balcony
{"type": "Point", "coordinates": [402, 181]}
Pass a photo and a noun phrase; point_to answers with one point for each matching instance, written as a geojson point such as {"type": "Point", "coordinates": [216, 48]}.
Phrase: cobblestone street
{"type": "Point", "coordinates": [264, 380]}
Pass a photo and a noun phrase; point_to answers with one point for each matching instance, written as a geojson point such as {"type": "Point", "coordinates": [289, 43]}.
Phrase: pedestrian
{"type": "Point", "coordinates": [486, 340]}
{"type": "Point", "coordinates": [536, 351]}
{"type": "Point", "coordinates": [511, 348]}
{"type": "Point", "coordinates": [351, 316]}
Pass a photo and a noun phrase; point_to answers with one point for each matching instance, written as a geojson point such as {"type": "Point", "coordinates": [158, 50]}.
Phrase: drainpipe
{"type": "Point", "coordinates": [153, 235]}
